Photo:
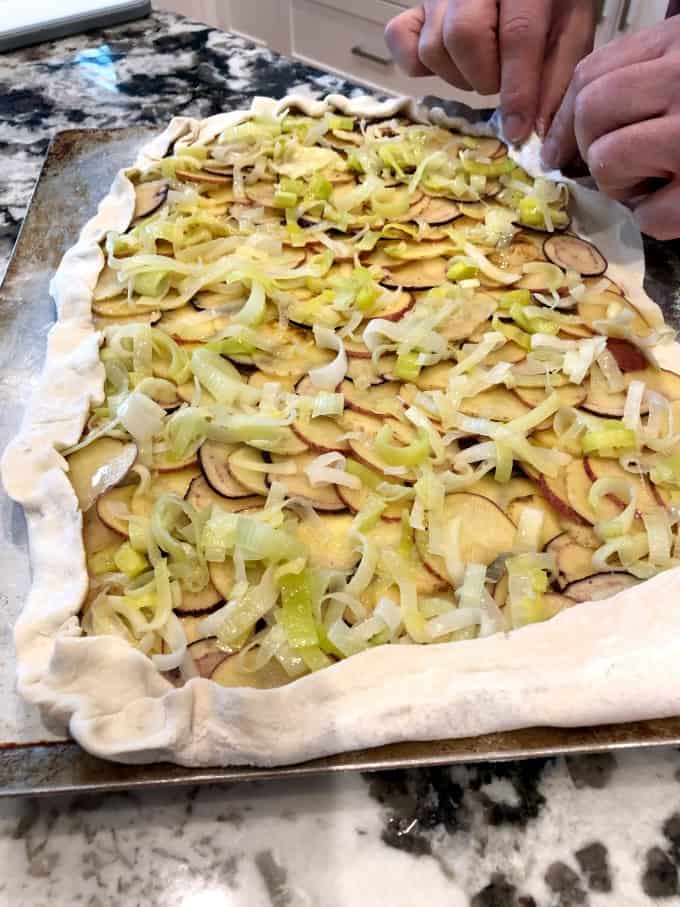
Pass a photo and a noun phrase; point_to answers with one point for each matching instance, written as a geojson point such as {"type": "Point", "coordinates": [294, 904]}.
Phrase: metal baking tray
{"type": "Point", "coordinates": [79, 167]}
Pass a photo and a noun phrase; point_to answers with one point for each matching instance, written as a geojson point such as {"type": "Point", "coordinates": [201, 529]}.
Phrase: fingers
{"type": "Point", "coordinates": [470, 38]}
{"type": "Point", "coordinates": [523, 33]}
{"type": "Point", "coordinates": [432, 49]}
{"type": "Point", "coordinates": [572, 39]}
{"type": "Point", "coordinates": [561, 145]}
{"type": "Point", "coordinates": [659, 214]}
{"type": "Point", "coordinates": [622, 162]}
{"type": "Point", "coordinates": [402, 36]}
{"type": "Point", "coordinates": [621, 98]}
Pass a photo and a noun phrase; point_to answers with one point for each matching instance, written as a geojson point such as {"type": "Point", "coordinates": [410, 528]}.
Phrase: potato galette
{"type": "Point", "coordinates": [363, 387]}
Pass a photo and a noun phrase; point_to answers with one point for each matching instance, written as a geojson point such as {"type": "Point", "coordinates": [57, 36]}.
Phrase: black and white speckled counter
{"type": "Point", "coordinates": [600, 831]}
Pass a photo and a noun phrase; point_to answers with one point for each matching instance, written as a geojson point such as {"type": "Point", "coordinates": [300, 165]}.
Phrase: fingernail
{"type": "Point", "coordinates": [514, 126]}
{"type": "Point", "coordinates": [549, 154]}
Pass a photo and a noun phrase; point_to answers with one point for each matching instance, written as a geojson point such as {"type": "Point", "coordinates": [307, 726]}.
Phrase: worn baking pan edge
{"type": "Point", "coordinates": [36, 770]}
{"type": "Point", "coordinates": [78, 164]}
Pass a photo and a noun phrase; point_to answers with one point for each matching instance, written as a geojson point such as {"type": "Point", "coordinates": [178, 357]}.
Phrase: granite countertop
{"type": "Point", "coordinates": [599, 831]}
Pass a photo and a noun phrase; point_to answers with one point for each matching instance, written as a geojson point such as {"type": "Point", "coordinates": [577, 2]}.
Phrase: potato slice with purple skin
{"type": "Point", "coordinates": [99, 466]}
{"type": "Point", "coordinates": [541, 281]}
{"type": "Point", "coordinates": [503, 493]}
{"type": "Point", "coordinates": [259, 379]}
{"type": "Point", "coordinates": [357, 349]}
{"type": "Point", "coordinates": [574, 254]}
{"type": "Point", "coordinates": [329, 541]}
{"type": "Point", "coordinates": [649, 496]}
{"type": "Point", "coordinates": [489, 147]}
{"type": "Point", "coordinates": [203, 176]}
{"type": "Point", "coordinates": [165, 463]}
{"type": "Point", "coordinates": [122, 307]}
{"type": "Point", "coordinates": [497, 403]}
{"type": "Point", "coordinates": [600, 400]}
{"type": "Point", "coordinates": [222, 575]}
{"type": "Point", "coordinates": [322, 435]}
{"type": "Point", "coordinates": [114, 508]}
{"type": "Point", "coordinates": [434, 377]}
{"type": "Point", "coordinates": [553, 603]}
{"type": "Point", "coordinates": [554, 490]}
{"type": "Point", "coordinates": [149, 197]}
{"type": "Point", "coordinates": [101, 322]}
{"type": "Point", "coordinates": [486, 532]}
{"type": "Point", "coordinates": [378, 400]}
{"type": "Point", "coordinates": [188, 325]}
{"type": "Point", "coordinates": [241, 463]}
{"type": "Point", "coordinates": [569, 395]}
{"type": "Point", "coordinates": [551, 527]}
{"type": "Point", "coordinates": [473, 314]}
{"type": "Point", "coordinates": [96, 534]}
{"type": "Point", "coordinates": [261, 193]}
{"type": "Point", "coordinates": [418, 274]}
{"type": "Point", "coordinates": [593, 307]}
{"type": "Point", "coordinates": [363, 449]}
{"type": "Point", "coordinates": [515, 255]}
{"type": "Point", "coordinates": [394, 310]}
{"type": "Point", "coordinates": [272, 675]}
{"type": "Point", "coordinates": [356, 498]}
{"type": "Point", "coordinates": [207, 655]}
{"type": "Point", "coordinates": [628, 356]}
{"type": "Point", "coordinates": [201, 496]}
{"type": "Point", "coordinates": [204, 602]}
{"type": "Point", "coordinates": [214, 461]}
{"type": "Point", "coordinates": [660, 380]}
{"type": "Point", "coordinates": [599, 586]}
{"type": "Point", "coordinates": [387, 536]}
{"type": "Point", "coordinates": [574, 562]}
{"type": "Point", "coordinates": [321, 497]}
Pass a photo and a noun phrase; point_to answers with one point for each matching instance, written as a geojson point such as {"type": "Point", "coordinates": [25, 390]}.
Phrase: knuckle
{"type": "Point", "coordinates": [518, 29]}
{"type": "Point", "coordinates": [583, 72]}
{"type": "Point", "coordinates": [430, 52]}
{"type": "Point", "coordinates": [460, 32]}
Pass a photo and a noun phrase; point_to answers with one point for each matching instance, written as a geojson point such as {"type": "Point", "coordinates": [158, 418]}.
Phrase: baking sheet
{"type": "Point", "coordinates": [80, 166]}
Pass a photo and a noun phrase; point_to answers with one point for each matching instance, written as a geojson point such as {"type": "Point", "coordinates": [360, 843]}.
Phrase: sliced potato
{"type": "Point", "coordinates": [322, 434]}
{"type": "Point", "coordinates": [240, 464]}
{"type": "Point", "coordinates": [329, 541]}
{"type": "Point", "coordinates": [473, 314]}
{"type": "Point", "coordinates": [322, 497]}
{"type": "Point", "coordinates": [203, 602]}
{"type": "Point", "coordinates": [600, 586]}
{"type": "Point", "coordinates": [552, 526]}
{"type": "Point", "coordinates": [387, 536]}
{"type": "Point", "coordinates": [648, 495]}
{"type": "Point", "coordinates": [574, 562]}
{"type": "Point", "coordinates": [165, 463]}
{"type": "Point", "coordinates": [486, 532]}
{"type": "Point", "coordinates": [628, 356]}
{"type": "Point", "coordinates": [395, 309]}
{"type": "Point", "coordinates": [214, 461]}
{"type": "Point", "coordinates": [555, 491]}
{"type": "Point", "coordinates": [378, 400]}
{"type": "Point", "coordinates": [569, 394]}
{"type": "Point", "coordinates": [594, 307]}
{"type": "Point", "coordinates": [574, 254]}
{"type": "Point", "coordinates": [149, 197]}
{"type": "Point", "coordinates": [439, 211]}
{"type": "Point", "coordinates": [188, 325]}
{"type": "Point", "coordinates": [503, 493]}
{"type": "Point", "coordinates": [201, 496]}
{"type": "Point", "coordinates": [497, 403]}
{"type": "Point", "coordinates": [208, 177]}
{"type": "Point", "coordinates": [96, 534]}
{"type": "Point", "coordinates": [272, 675]}
{"type": "Point", "coordinates": [114, 508]}
{"type": "Point", "coordinates": [418, 275]}
{"type": "Point", "coordinates": [99, 466]}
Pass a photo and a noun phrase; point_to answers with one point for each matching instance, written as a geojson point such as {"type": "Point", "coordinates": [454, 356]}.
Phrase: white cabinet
{"type": "Point", "coordinates": [346, 36]}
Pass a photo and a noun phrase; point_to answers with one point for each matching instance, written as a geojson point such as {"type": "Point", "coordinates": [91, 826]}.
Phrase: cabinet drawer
{"type": "Point", "coordinates": [354, 46]}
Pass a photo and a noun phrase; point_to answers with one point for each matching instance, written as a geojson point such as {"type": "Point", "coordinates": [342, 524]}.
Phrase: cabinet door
{"type": "Point", "coordinates": [265, 21]}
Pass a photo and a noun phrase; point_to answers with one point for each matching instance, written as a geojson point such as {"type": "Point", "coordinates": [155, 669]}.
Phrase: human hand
{"type": "Point", "coordinates": [526, 49]}
{"type": "Point", "coordinates": [622, 112]}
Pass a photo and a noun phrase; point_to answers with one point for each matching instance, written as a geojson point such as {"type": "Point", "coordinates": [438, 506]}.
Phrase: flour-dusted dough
{"type": "Point", "coordinates": [607, 661]}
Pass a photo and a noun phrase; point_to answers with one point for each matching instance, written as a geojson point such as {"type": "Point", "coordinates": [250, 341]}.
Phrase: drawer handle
{"type": "Point", "coordinates": [359, 51]}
